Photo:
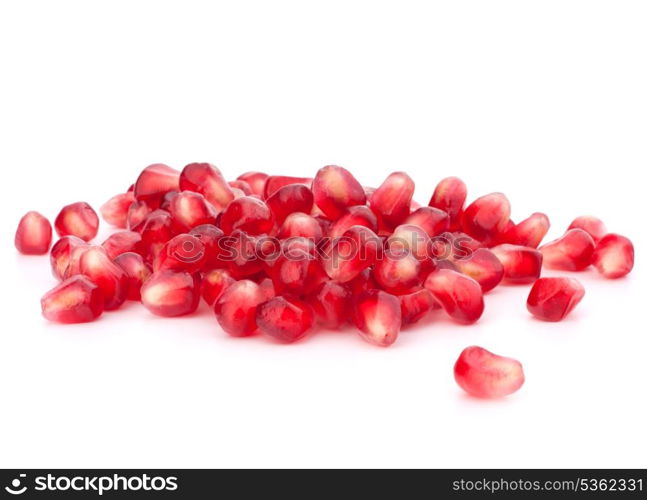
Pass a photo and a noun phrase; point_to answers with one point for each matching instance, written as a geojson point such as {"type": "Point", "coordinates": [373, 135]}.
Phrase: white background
{"type": "Point", "coordinates": [545, 101]}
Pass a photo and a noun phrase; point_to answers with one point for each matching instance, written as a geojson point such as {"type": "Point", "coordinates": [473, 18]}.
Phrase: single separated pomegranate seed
{"type": "Point", "coordinates": [484, 374]}
{"type": "Point", "coordinates": [137, 272]}
{"type": "Point", "coordinates": [482, 266]}
{"type": "Point", "coordinates": [285, 318]}
{"type": "Point", "coordinates": [115, 210]}
{"type": "Point", "coordinates": [62, 252]}
{"type": "Point", "coordinates": [75, 300]}
{"type": "Point", "coordinates": [154, 182]}
{"type": "Point", "coordinates": [255, 180]}
{"type": "Point", "coordinates": [349, 255]}
{"type": "Point", "coordinates": [391, 201]}
{"type": "Point", "coordinates": [432, 220]}
{"type": "Point", "coordinates": [592, 225]}
{"type": "Point", "coordinates": [236, 308]}
{"type": "Point", "coordinates": [214, 283]}
{"type": "Point", "coordinates": [171, 293]}
{"type": "Point", "coordinates": [77, 219]}
{"type": "Point", "coordinates": [275, 182]}
{"type": "Point", "coordinates": [207, 180]}
{"type": "Point", "coordinates": [248, 214]}
{"type": "Point", "coordinates": [34, 234]}
{"type": "Point", "coordinates": [551, 299]}
{"type": "Point", "coordinates": [331, 303]}
{"type": "Point", "coordinates": [528, 232]}
{"type": "Point", "coordinates": [96, 265]}
{"type": "Point", "coordinates": [449, 196]}
{"type": "Point", "coordinates": [614, 256]}
{"type": "Point", "coordinates": [122, 242]}
{"type": "Point", "coordinates": [460, 296]}
{"type": "Point", "coordinates": [189, 210]}
{"type": "Point", "coordinates": [398, 271]}
{"type": "Point", "coordinates": [415, 306]}
{"type": "Point", "coordinates": [297, 269]}
{"type": "Point", "coordinates": [335, 189]}
{"type": "Point", "coordinates": [378, 316]}
{"type": "Point", "coordinates": [299, 224]}
{"type": "Point", "coordinates": [358, 215]}
{"type": "Point", "coordinates": [571, 252]}
{"type": "Point", "coordinates": [521, 265]}
{"type": "Point", "coordinates": [288, 199]}
{"type": "Point", "coordinates": [487, 217]}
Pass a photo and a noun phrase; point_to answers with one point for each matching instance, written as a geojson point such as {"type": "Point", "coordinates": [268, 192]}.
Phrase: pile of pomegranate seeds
{"type": "Point", "coordinates": [282, 255]}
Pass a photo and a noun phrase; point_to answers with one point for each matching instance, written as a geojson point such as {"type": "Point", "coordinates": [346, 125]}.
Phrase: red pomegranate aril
{"type": "Point", "coordinates": [209, 235]}
{"type": "Point", "coordinates": [137, 272]}
{"type": "Point", "coordinates": [449, 196]}
{"type": "Point", "coordinates": [154, 182]}
{"type": "Point", "coordinates": [255, 180]}
{"type": "Point", "coordinates": [482, 266]}
{"type": "Point", "coordinates": [122, 242]}
{"type": "Point", "coordinates": [551, 299]}
{"type": "Point", "coordinates": [392, 200]}
{"type": "Point", "coordinates": [358, 215]}
{"type": "Point", "coordinates": [486, 217]}
{"type": "Point", "coordinates": [74, 262]}
{"type": "Point", "coordinates": [288, 199]}
{"type": "Point", "coordinates": [137, 214]}
{"type": "Point", "coordinates": [460, 296]}
{"type": "Point", "coordinates": [614, 256]}
{"type": "Point", "coordinates": [77, 219]}
{"type": "Point", "coordinates": [286, 319]}
{"type": "Point", "coordinates": [521, 265]}
{"type": "Point", "coordinates": [34, 234]}
{"type": "Point", "coordinates": [331, 304]}
{"type": "Point", "coordinates": [214, 283]}
{"type": "Point", "coordinates": [432, 220]}
{"type": "Point", "coordinates": [484, 374]}
{"type": "Point", "coordinates": [297, 269]}
{"type": "Point", "coordinates": [275, 182]}
{"type": "Point", "coordinates": [183, 252]}
{"type": "Point", "coordinates": [592, 225]}
{"type": "Point", "coordinates": [528, 232]}
{"type": "Point", "coordinates": [241, 186]}
{"type": "Point", "coordinates": [75, 300]}
{"type": "Point", "coordinates": [299, 224]}
{"type": "Point", "coordinates": [189, 210]}
{"type": "Point", "coordinates": [207, 180]}
{"type": "Point", "coordinates": [415, 306]}
{"type": "Point", "coordinates": [349, 255]}
{"type": "Point", "coordinates": [397, 271]}
{"type": "Point", "coordinates": [156, 230]}
{"type": "Point", "coordinates": [115, 210]}
{"type": "Point", "coordinates": [96, 265]}
{"type": "Point", "coordinates": [236, 308]}
{"type": "Point", "coordinates": [571, 252]}
{"type": "Point", "coordinates": [362, 282]}
{"type": "Point", "coordinates": [335, 189]}
{"type": "Point", "coordinates": [61, 253]}
{"type": "Point", "coordinates": [248, 214]}
{"type": "Point", "coordinates": [241, 254]}
{"type": "Point", "coordinates": [171, 293]}
{"type": "Point", "coordinates": [267, 288]}
{"type": "Point", "coordinates": [378, 317]}
{"type": "Point", "coordinates": [412, 238]}
{"type": "Point", "coordinates": [453, 246]}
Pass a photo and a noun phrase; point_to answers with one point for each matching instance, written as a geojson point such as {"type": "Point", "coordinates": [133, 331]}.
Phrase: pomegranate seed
{"type": "Point", "coordinates": [75, 300]}
{"type": "Point", "coordinates": [297, 269]}
{"type": "Point", "coordinates": [267, 288]}
{"type": "Point", "coordinates": [413, 238]}
{"type": "Point", "coordinates": [248, 214]}
{"type": "Point", "coordinates": [275, 182]}
{"type": "Point", "coordinates": [449, 196]}
{"type": "Point", "coordinates": [349, 255]}
{"type": "Point", "coordinates": [397, 271]}
{"type": "Point", "coordinates": [242, 254]}
{"type": "Point", "coordinates": [154, 182]}
{"type": "Point", "coordinates": [460, 296]}
{"type": "Point", "coordinates": [137, 272]}
{"type": "Point", "coordinates": [255, 180]}
{"type": "Point", "coordinates": [592, 225]}
{"type": "Point", "coordinates": [156, 230]}
{"type": "Point", "coordinates": [183, 252]}
{"type": "Point", "coordinates": [358, 215]}
{"type": "Point", "coordinates": [236, 308]}
{"type": "Point", "coordinates": [214, 283]}
{"type": "Point", "coordinates": [447, 264]}
{"type": "Point", "coordinates": [170, 293]}
{"type": "Point", "coordinates": [415, 306]}
{"type": "Point", "coordinates": [529, 232]}
{"type": "Point", "coordinates": [482, 266]}
{"type": "Point", "coordinates": [377, 315]}
{"type": "Point", "coordinates": [614, 256]}
{"type": "Point", "coordinates": [209, 235]}
{"type": "Point", "coordinates": [331, 303]}
{"type": "Point", "coordinates": [122, 242]}
{"type": "Point", "coordinates": [288, 199]}
{"type": "Point", "coordinates": [335, 189]}
{"type": "Point", "coordinates": [242, 186]}
{"type": "Point", "coordinates": [285, 318]}
{"type": "Point", "coordinates": [77, 219]}
{"type": "Point", "coordinates": [487, 217]}
{"type": "Point", "coordinates": [34, 234]}
{"type": "Point", "coordinates": [484, 374]}
{"type": "Point", "coordinates": [432, 220]}
{"type": "Point", "coordinates": [96, 265]}
{"type": "Point", "coordinates": [74, 262]}
{"type": "Point", "coordinates": [521, 265]}
{"type": "Point", "coordinates": [189, 210]}
{"type": "Point", "coordinates": [298, 224]}
{"type": "Point", "coordinates": [571, 252]}
{"type": "Point", "coordinates": [207, 180]}
{"type": "Point", "coordinates": [61, 252]}
{"type": "Point", "coordinates": [453, 246]}
{"type": "Point", "coordinates": [137, 213]}
{"type": "Point", "coordinates": [391, 201]}
{"type": "Point", "coordinates": [362, 282]}
{"type": "Point", "coordinates": [115, 210]}
{"type": "Point", "coordinates": [551, 299]}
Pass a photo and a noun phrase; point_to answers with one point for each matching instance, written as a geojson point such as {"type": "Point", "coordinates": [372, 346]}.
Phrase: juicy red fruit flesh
{"type": "Point", "coordinates": [391, 201]}
{"type": "Point", "coordinates": [552, 299]}
{"type": "Point", "coordinates": [137, 272]}
{"type": "Point", "coordinates": [460, 296]}
{"type": "Point", "coordinates": [77, 219]}
{"type": "Point", "coordinates": [285, 318]}
{"type": "Point", "coordinates": [614, 256]}
{"type": "Point", "coordinates": [571, 252]}
{"type": "Point", "coordinates": [109, 277]}
{"type": "Point", "coordinates": [378, 316]}
{"type": "Point", "coordinates": [75, 300]}
{"type": "Point", "coordinates": [484, 374]}
{"type": "Point", "coordinates": [335, 189]}
{"type": "Point", "coordinates": [170, 293]}
{"type": "Point", "coordinates": [34, 234]}
{"type": "Point", "coordinates": [236, 308]}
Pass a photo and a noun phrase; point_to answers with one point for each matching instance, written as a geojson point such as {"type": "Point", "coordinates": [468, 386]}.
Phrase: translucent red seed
{"type": "Point", "coordinates": [298, 224]}
{"type": "Point", "coordinates": [392, 200]}
{"type": "Point", "coordinates": [286, 319]}
{"type": "Point", "coordinates": [154, 182]}
{"type": "Point", "coordinates": [397, 271]}
{"type": "Point", "coordinates": [614, 256]}
{"type": "Point", "coordinates": [521, 265]}
{"type": "Point", "coordinates": [349, 255]}
{"type": "Point", "coordinates": [571, 252]}
{"type": "Point", "coordinates": [432, 220]}
{"type": "Point", "coordinates": [77, 219]}
{"type": "Point", "coordinates": [551, 299]}
{"type": "Point", "coordinates": [275, 182]}
{"type": "Point", "coordinates": [449, 196]}
{"type": "Point", "coordinates": [378, 317]}
{"type": "Point", "coordinates": [415, 306]}
{"type": "Point", "coordinates": [482, 266]}
{"type": "Point", "coordinates": [183, 252]}
{"type": "Point", "coordinates": [460, 296]}
{"type": "Point", "coordinates": [33, 235]}
{"type": "Point", "coordinates": [207, 180]}
{"type": "Point", "coordinates": [255, 180]}
{"type": "Point", "coordinates": [122, 242]}
{"type": "Point", "coordinates": [528, 232]}
{"type": "Point", "coordinates": [214, 283]}
{"type": "Point", "coordinates": [171, 293]}
{"type": "Point", "coordinates": [61, 254]}
{"type": "Point", "coordinates": [236, 308]}
{"type": "Point", "coordinates": [108, 276]}
{"type": "Point", "coordinates": [331, 304]}
{"type": "Point", "coordinates": [248, 214]}
{"type": "Point", "coordinates": [592, 225]}
{"type": "Point", "coordinates": [484, 374]}
{"type": "Point", "coordinates": [359, 215]}
{"type": "Point", "coordinates": [115, 210]}
{"type": "Point", "coordinates": [289, 199]}
{"type": "Point", "coordinates": [335, 189]}
{"type": "Point", "coordinates": [486, 217]}
{"type": "Point", "coordinates": [137, 272]}
{"type": "Point", "coordinates": [189, 210]}
{"type": "Point", "coordinates": [75, 300]}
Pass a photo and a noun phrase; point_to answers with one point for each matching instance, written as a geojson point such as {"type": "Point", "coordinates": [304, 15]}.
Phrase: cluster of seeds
{"type": "Point", "coordinates": [281, 255]}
